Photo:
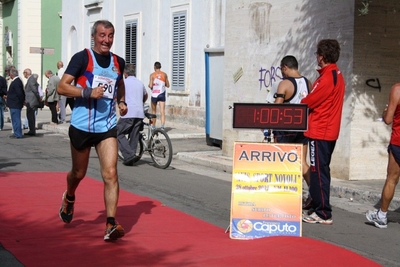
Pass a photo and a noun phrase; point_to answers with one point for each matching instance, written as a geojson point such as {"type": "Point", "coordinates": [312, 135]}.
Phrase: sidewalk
{"type": "Point", "coordinates": [362, 191]}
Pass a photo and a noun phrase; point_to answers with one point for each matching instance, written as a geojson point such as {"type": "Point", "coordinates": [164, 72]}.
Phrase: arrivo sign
{"type": "Point", "coordinates": [288, 117]}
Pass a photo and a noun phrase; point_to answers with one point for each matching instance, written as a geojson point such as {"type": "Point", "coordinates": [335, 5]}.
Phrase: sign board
{"type": "Point", "coordinates": [287, 117]}
{"type": "Point", "coordinates": [266, 197]}
{"type": "Point", "coordinates": [41, 50]}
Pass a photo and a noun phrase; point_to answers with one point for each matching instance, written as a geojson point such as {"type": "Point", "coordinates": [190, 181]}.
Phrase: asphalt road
{"type": "Point", "coordinates": [199, 191]}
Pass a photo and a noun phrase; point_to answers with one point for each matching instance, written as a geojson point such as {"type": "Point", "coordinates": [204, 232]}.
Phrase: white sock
{"type": "Point", "coordinates": [381, 214]}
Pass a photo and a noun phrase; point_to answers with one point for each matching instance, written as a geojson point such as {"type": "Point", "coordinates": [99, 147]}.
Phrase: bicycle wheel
{"type": "Point", "coordinates": [160, 149]}
{"type": "Point", "coordinates": [139, 149]}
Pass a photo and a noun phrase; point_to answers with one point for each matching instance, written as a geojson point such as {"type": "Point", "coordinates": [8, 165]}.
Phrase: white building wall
{"type": "Point", "coordinates": [29, 35]}
{"type": "Point", "coordinates": [254, 36]}
{"type": "Point", "coordinates": [154, 42]}
{"type": "Point", "coordinates": [259, 34]}
{"type": "Point", "coordinates": [73, 36]}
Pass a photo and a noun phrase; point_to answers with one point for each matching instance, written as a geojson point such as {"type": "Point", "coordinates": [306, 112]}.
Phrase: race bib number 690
{"type": "Point", "coordinates": [108, 83]}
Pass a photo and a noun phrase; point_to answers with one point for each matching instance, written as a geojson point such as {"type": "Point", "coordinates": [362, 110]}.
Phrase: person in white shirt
{"type": "Point", "coordinates": [61, 103]}
{"type": "Point", "coordinates": [130, 123]}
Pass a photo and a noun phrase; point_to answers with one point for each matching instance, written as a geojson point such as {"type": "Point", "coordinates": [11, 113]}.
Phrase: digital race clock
{"type": "Point", "coordinates": [288, 117]}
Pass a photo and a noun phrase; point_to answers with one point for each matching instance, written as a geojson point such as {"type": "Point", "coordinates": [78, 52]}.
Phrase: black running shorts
{"type": "Point", "coordinates": [81, 139]}
{"type": "Point", "coordinates": [395, 151]}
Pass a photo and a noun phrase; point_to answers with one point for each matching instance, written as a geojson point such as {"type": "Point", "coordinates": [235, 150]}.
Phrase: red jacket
{"type": "Point", "coordinates": [325, 103]}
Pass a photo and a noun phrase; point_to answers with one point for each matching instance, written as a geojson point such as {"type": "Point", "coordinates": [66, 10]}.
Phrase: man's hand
{"type": "Point", "coordinates": [97, 92]}
{"type": "Point", "coordinates": [123, 109]}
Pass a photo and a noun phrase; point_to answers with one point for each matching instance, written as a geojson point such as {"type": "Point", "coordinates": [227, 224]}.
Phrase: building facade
{"type": "Point", "coordinates": [32, 35]}
{"type": "Point", "coordinates": [217, 53]}
{"type": "Point", "coordinates": [173, 32]}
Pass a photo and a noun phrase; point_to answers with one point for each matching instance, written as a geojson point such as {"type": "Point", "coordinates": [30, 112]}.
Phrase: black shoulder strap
{"type": "Point", "coordinates": [307, 84]}
{"type": "Point", "coordinates": [334, 73]}
{"type": "Point", "coordinates": [292, 80]}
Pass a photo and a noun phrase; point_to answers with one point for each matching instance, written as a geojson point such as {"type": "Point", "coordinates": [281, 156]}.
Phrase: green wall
{"type": "Point", "coordinates": [10, 19]}
{"type": "Point", "coordinates": [51, 33]}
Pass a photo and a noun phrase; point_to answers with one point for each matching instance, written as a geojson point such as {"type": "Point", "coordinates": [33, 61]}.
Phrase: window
{"type": "Point", "coordinates": [178, 50]}
{"type": "Point", "coordinates": [91, 37]}
{"type": "Point", "coordinates": [131, 42]}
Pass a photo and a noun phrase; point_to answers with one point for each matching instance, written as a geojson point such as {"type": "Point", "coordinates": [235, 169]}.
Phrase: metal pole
{"type": "Point", "coordinates": [41, 74]}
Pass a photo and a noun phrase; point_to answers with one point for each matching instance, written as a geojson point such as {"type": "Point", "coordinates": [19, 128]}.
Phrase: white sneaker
{"type": "Point", "coordinates": [372, 216]}
{"type": "Point", "coordinates": [314, 218]}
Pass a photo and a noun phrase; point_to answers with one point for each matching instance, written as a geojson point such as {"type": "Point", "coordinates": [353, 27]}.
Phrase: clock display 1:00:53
{"type": "Point", "coordinates": [277, 116]}
{"type": "Point", "coordinates": [271, 116]}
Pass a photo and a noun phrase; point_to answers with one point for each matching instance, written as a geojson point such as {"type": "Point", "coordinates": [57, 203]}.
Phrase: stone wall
{"type": "Point", "coordinates": [259, 34]}
{"type": "Point", "coordinates": [376, 57]}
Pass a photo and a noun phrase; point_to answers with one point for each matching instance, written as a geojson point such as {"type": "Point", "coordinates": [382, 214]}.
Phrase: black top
{"type": "Point", "coordinates": [3, 86]}
{"type": "Point", "coordinates": [16, 94]}
{"type": "Point", "coordinates": [77, 65]}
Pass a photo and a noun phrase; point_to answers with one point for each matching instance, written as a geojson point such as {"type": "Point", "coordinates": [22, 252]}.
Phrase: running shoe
{"type": "Point", "coordinates": [372, 216]}
{"type": "Point", "coordinates": [314, 218]}
{"type": "Point", "coordinates": [67, 209]}
{"type": "Point", "coordinates": [113, 232]}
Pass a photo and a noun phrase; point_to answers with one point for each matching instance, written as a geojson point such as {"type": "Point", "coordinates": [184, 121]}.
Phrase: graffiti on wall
{"type": "Point", "coordinates": [378, 86]}
{"type": "Point", "coordinates": [269, 76]}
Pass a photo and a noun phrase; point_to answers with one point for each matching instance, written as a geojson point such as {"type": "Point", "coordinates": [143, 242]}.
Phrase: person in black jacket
{"type": "Point", "coordinates": [3, 93]}
{"type": "Point", "coordinates": [15, 102]}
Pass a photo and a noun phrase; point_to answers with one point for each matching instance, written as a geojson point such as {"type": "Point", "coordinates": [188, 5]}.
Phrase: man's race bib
{"type": "Point", "coordinates": [109, 85]}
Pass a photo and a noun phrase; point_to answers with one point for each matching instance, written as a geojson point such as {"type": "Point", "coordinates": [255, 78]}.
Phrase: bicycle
{"type": "Point", "coordinates": [157, 143]}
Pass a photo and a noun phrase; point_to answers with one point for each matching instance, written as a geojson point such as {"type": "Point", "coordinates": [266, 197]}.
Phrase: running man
{"type": "Point", "coordinates": [391, 115]}
{"type": "Point", "coordinates": [157, 84]}
{"type": "Point", "coordinates": [99, 81]}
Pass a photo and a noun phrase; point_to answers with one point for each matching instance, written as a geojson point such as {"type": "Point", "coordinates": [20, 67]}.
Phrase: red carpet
{"type": "Point", "coordinates": [155, 235]}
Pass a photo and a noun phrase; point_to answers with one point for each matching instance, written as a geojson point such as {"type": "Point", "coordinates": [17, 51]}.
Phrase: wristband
{"type": "Point", "coordinates": [86, 92]}
{"type": "Point", "coordinates": [123, 102]}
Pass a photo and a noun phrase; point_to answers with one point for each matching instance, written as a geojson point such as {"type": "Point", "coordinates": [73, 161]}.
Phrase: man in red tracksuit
{"type": "Point", "coordinates": [325, 103]}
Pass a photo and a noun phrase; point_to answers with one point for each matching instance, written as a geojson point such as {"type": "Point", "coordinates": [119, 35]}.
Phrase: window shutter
{"type": "Point", "coordinates": [131, 42]}
{"type": "Point", "coordinates": [179, 51]}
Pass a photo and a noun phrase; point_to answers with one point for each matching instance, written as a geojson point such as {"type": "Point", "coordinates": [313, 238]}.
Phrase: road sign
{"type": "Point", "coordinates": [41, 50]}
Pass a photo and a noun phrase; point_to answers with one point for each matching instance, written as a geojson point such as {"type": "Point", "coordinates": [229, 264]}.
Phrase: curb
{"type": "Point", "coordinates": [338, 189]}
{"type": "Point", "coordinates": [363, 196]}
{"type": "Point", "coordinates": [63, 129]}
{"type": "Point", "coordinates": [214, 159]}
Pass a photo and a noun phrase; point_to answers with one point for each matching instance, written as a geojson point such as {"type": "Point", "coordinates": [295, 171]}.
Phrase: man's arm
{"type": "Point", "coordinates": [282, 91]}
{"type": "Point", "coordinates": [322, 89]}
{"type": "Point", "coordinates": [51, 87]}
{"type": "Point", "coordinates": [166, 81]}
{"type": "Point", "coordinates": [75, 69]}
{"type": "Point", "coordinates": [3, 85]}
{"type": "Point", "coordinates": [123, 109]}
{"type": "Point", "coordinates": [35, 90]}
{"type": "Point", "coordinates": [394, 99]}
{"type": "Point", "coordinates": [21, 92]}
{"type": "Point", "coordinates": [145, 95]}
{"type": "Point", "coordinates": [151, 81]}
{"type": "Point", "coordinates": [66, 88]}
